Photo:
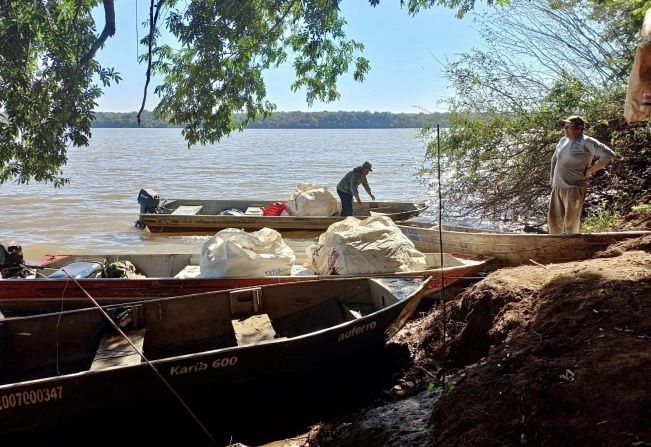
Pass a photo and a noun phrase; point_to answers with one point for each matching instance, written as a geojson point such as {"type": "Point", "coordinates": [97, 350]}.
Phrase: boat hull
{"type": "Point", "coordinates": [208, 222]}
{"type": "Point", "coordinates": [20, 296]}
{"type": "Point", "coordinates": [513, 249]}
{"type": "Point", "coordinates": [219, 372]}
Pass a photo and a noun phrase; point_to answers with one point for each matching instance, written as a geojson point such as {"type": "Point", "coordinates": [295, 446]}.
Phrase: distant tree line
{"type": "Point", "coordinates": [296, 120]}
{"type": "Point", "coordinates": [127, 119]}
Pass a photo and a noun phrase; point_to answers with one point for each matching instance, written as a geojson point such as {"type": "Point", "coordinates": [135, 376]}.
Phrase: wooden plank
{"type": "Point", "coordinates": [253, 211]}
{"type": "Point", "coordinates": [349, 313]}
{"type": "Point", "coordinates": [187, 210]}
{"type": "Point", "coordinates": [254, 329]}
{"type": "Point", "coordinates": [189, 271]}
{"type": "Point", "coordinates": [114, 350]}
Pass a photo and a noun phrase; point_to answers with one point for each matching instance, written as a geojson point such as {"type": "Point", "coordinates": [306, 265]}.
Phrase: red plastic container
{"type": "Point", "coordinates": [273, 209]}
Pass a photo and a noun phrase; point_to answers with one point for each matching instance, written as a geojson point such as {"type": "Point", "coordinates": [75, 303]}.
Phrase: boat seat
{"type": "Point", "coordinates": [187, 210]}
{"type": "Point", "coordinates": [81, 269]}
{"type": "Point", "coordinates": [114, 350]}
{"type": "Point", "coordinates": [253, 211]}
{"type": "Point", "coordinates": [205, 327]}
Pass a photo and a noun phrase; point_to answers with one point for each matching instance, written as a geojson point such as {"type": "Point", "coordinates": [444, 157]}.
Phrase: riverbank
{"type": "Point", "coordinates": [535, 355]}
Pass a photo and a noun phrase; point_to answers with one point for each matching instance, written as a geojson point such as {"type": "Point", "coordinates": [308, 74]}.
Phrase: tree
{"type": "Point", "coordinates": [48, 75]}
{"type": "Point", "coordinates": [226, 47]}
{"type": "Point", "coordinates": [47, 92]}
{"type": "Point", "coordinates": [510, 96]}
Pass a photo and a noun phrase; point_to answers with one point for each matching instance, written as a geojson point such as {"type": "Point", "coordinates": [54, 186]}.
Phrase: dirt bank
{"type": "Point", "coordinates": [553, 355]}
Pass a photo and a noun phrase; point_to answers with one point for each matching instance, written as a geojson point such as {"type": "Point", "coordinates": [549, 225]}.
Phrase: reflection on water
{"type": "Point", "coordinates": [97, 210]}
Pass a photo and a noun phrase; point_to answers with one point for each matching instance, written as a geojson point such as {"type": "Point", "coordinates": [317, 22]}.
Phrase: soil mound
{"type": "Point", "coordinates": [535, 355]}
{"type": "Point", "coordinates": [642, 243]}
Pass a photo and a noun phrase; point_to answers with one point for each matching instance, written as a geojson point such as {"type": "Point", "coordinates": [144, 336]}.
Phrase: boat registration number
{"type": "Point", "coordinates": [31, 397]}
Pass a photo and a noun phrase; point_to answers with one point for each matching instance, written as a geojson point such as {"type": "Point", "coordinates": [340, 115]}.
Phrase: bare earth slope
{"type": "Point", "coordinates": [555, 355]}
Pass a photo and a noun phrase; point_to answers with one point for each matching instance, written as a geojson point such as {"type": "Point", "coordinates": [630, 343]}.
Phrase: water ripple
{"type": "Point", "coordinates": [97, 210]}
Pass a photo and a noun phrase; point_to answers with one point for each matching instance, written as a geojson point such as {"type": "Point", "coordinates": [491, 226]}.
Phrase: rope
{"type": "Point", "coordinates": [442, 290]}
{"type": "Point", "coordinates": [165, 382]}
{"type": "Point", "coordinates": [58, 323]}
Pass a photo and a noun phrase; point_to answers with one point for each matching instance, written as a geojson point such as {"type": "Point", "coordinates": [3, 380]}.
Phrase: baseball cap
{"type": "Point", "coordinates": [575, 119]}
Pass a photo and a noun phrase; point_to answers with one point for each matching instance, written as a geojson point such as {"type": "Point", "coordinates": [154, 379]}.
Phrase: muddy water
{"type": "Point", "coordinates": [97, 210]}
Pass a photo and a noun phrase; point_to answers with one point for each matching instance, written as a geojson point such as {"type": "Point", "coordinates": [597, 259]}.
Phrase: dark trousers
{"type": "Point", "coordinates": [346, 203]}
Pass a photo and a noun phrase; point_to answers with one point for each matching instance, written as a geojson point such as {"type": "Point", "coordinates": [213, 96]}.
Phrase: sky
{"type": "Point", "coordinates": [405, 55]}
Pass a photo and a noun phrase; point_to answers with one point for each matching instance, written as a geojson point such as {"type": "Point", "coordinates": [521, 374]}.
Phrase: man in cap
{"type": "Point", "coordinates": [347, 187]}
{"type": "Point", "coordinates": [571, 168]}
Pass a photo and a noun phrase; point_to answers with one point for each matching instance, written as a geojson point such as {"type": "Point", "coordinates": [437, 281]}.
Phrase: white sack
{"type": "Point", "coordinates": [312, 200]}
{"type": "Point", "coordinates": [645, 32]}
{"type": "Point", "coordinates": [236, 253]}
{"type": "Point", "coordinates": [372, 245]}
{"type": "Point", "coordinates": [638, 94]}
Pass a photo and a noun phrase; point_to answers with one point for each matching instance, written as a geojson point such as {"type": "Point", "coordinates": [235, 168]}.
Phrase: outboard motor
{"type": "Point", "coordinates": [148, 200]}
{"type": "Point", "coordinates": [12, 264]}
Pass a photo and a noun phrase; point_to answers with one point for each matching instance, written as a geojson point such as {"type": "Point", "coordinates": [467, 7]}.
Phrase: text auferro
{"type": "Point", "coordinates": [357, 330]}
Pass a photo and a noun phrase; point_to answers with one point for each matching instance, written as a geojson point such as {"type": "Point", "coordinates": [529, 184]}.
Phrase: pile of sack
{"type": "Point", "coordinates": [372, 245]}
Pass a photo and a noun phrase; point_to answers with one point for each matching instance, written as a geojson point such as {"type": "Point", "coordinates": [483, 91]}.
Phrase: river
{"type": "Point", "coordinates": [96, 211]}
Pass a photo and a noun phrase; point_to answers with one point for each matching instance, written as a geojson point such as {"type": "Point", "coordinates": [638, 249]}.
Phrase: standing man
{"type": "Point", "coordinates": [347, 187]}
{"type": "Point", "coordinates": [571, 169]}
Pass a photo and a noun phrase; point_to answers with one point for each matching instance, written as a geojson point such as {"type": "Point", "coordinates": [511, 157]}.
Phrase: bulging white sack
{"type": "Point", "coordinates": [645, 32]}
{"type": "Point", "coordinates": [372, 245]}
{"type": "Point", "coordinates": [236, 253]}
{"type": "Point", "coordinates": [638, 94]}
{"type": "Point", "coordinates": [312, 200]}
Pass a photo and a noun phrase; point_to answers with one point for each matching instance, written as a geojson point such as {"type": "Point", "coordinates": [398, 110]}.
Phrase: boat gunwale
{"type": "Point", "coordinates": [491, 232]}
{"type": "Point", "coordinates": [468, 260]}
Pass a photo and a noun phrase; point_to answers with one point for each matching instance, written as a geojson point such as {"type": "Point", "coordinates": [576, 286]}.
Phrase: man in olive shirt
{"type": "Point", "coordinates": [347, 187]}
{"type": "Point", "coordinates": [571, 168]}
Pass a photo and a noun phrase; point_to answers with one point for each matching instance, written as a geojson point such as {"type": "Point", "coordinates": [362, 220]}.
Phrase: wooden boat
{"type": "Point", "coordinates": [201, 217]}
{"type": "Point", "coordinates": [60, 366]}
{"type": "Point", "coordinates": [171, 275]}
{"type": "Point", "coordinates": [510, 249]}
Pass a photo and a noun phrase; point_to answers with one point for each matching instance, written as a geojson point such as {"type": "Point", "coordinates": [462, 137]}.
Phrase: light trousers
{"type": "Point", "coordinates": [565, 205]}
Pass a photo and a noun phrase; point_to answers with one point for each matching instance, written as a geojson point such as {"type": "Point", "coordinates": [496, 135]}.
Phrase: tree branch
{"type": "Point", "coordinates": [153, 18]}
{"type": "Point", "coordinates": [109, 31]}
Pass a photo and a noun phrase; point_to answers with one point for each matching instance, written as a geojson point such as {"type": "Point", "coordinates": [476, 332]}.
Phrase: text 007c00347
{"type": "Point", "coordinates": [31, 397]}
